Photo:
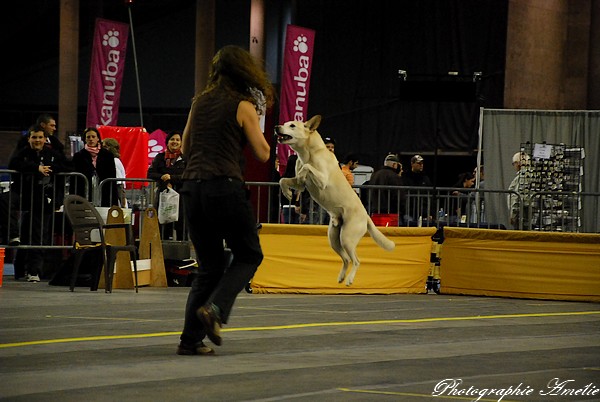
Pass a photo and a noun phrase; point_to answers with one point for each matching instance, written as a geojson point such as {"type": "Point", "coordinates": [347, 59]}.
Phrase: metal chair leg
{"type": "Point", "coordinates": [77, 258]}
{"type": "Point", "coordinates": [135, 273]}
{"type": "Point", "coordinates": [110, 269]}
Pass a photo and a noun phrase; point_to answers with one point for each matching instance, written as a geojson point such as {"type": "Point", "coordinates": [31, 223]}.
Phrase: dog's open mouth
{"type": "Point", "coordinates": [283, 137]}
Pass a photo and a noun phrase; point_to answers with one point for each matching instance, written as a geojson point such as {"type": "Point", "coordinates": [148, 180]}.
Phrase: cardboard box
{"type": "Point", "coordinates": [143, 270]}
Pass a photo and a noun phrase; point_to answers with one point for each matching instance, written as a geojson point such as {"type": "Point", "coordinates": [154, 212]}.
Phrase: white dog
{"type": "Point", "coordinates": [317, 170]}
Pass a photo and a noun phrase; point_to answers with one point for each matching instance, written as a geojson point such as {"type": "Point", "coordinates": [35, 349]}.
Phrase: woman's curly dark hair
{"type": "Point", "coordinates": [236, 70]}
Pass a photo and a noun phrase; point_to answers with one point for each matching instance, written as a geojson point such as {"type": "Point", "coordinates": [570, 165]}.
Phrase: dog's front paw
{"type": "Point", "coordinates": [303, 172]}
{"type": "Point", "coordinates": [285, 189]}
{"type": "Point", "coordinates": [287, 192]}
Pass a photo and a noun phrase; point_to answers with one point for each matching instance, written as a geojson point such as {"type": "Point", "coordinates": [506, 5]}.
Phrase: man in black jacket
{"type": "Point", "coordinates": [48, 124]}
{"type": "Point", "coordinates": [419, 205]}
{"type": "Point", "coordinates": [415, 177]}
{"type": "Point", "coordinates": [37, 165]}
{"type": "Point", "coordinates": [386, 201]}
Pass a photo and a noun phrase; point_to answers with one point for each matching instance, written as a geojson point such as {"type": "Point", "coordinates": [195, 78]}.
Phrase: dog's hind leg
{"type": "Point", "coordinates": [349, 242]}
{"type": "Point", "coordinates": [355, 265]}
{"type": "Point", "coordinates": [333, 233]}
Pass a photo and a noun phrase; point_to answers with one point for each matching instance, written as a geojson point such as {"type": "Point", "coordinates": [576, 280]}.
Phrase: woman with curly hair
{"type": "Point", "coordinates": [223, 120]}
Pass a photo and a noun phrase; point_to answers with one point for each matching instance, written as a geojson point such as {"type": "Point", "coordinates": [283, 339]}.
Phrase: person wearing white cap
{"type": "Point", "coordinates": [519, 159]}
{"type": "Point", "coordinates": [329, 144]}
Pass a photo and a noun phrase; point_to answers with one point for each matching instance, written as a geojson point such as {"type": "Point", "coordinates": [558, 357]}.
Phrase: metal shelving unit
{"type": "Point", "coordinates": [550, 185]}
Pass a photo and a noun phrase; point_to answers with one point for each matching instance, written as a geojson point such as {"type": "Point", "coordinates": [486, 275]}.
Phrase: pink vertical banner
{"type": "Point", "coordinates": [106, 72]}
{"type": "Point", "coordinates": [295, 81]}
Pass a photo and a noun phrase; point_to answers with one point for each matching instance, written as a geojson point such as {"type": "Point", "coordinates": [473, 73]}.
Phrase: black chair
{"type": "Point", "coordinates": [88, 225]}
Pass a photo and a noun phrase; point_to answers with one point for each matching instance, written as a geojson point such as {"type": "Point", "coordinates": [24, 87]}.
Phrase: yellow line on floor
{"type": "Point", "coordinates": [104, 318]}
{"type": "Point", "coordinates": [86, 339]}
{"type": "Point", "coordinates": [296, 326]}
{"type": "Point", "coordinates": [410, 321]}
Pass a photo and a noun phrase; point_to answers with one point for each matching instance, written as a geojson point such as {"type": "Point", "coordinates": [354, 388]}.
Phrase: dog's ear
{"type": "Point", "coordinates": [313, 123]}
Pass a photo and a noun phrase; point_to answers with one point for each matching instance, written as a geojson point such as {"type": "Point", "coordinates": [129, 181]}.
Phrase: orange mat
{"type": "Point", "coordinates": [298, 259]}
{"type": "Point", "coordinates": [508, 263]}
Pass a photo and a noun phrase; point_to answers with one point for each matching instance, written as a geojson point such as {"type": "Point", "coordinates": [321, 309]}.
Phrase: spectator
{"type": "Point", "coordinates": [305, 209]}
{"type": "Point", "coordinates": [223, 119]}
{"type": "Point", "coordinates": [419, 202]}
{"type": "Point", "coordinates": [291, 208]}
{"type": "Point", "coordinates": [481, 176]}
{"type": "Point", "coordinates": [415, 177]}
{"type": "Point", "coordinates": [301, 208]}
{"type": "Point", "coordinates": [166, 169]}
{"type": "Point", "coordinates": [113, 146]}
{"type": "Point", "coordinates": [478, 216]}
{"type": "Point", "coordinates": [349, 163]}
{"type": "Point", "coordinates": [96, 164]}
{"type": "Point", "coordinates": [38, 166]}
{"type": "Point", "coordinates": [517, 202]}
{"type": "Point", "coordinates": [48, 124]}
{"type": "Point", "coordinates": [275, 211]}
{"type": "Point", "coordinates": [387, 201]}
{"type": "Point", "coordinates": [329, 144]}
{"type": "Point", "coordinates": [464, 199]}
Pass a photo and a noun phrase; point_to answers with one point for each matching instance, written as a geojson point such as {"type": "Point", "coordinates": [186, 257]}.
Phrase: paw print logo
{"type": "Point", "coordinates": [300, 44]}
{"type": "Point", "coordinates": [154, 148]}
{"type": "Point", "coordinates": [111, 38]}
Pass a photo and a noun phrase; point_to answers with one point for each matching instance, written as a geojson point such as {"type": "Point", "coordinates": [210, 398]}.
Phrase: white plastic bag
{"type": "Point", "coordinates": [168, 206]}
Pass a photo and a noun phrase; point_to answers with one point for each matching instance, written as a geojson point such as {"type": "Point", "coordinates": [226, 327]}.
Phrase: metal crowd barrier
{"type": "Point", "coordinates": [411, 206]}
{"type": "Point", "coordinates": [446, 206]}
{"type": "Point", "coordinates": [22, 217]}
{"type": "Point", "coordinates": [18, 222]}
{"type": "Point", "coordinates": [419, 206]}
{"type": "Point", "coordinates": [140, 194]}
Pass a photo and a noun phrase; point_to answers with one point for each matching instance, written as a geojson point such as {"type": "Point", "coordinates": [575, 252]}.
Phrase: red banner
{"type": "Point", "coordinates": [133, 144]}
{"type": "Point", "coordinates": [106, 72]}
{"type": "Point", "coordinates": [295, 81]}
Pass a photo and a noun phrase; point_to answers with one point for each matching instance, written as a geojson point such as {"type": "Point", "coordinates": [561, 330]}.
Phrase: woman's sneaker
{"type": "Point", "coordinates": [33, 278]}
{"type": "Point", "coordinates": [212, 323]}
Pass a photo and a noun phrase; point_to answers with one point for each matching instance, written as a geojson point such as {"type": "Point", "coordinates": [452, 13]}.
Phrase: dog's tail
{"type": "Point", "coordinates": [379, 237]}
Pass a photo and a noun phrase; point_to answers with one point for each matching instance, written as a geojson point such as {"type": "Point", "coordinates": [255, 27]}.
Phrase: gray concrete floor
{"type": "Point", "coordinates": [90, 346]}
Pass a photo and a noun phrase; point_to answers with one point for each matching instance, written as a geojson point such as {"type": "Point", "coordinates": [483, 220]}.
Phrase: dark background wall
{"type": "Point", "coordinates": [355, 86]}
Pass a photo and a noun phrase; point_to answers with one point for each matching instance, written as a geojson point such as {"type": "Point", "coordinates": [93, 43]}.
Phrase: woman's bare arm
{"type": "Point", "coordinates": [249, 121]}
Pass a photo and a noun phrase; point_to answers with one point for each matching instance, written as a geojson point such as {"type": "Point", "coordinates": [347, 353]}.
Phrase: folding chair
{"type": "Point", "coordinates": [85, 220]}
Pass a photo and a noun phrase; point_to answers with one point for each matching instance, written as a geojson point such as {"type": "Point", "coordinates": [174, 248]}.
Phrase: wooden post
{"type": "Point", "coordinates": [151, 248]}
